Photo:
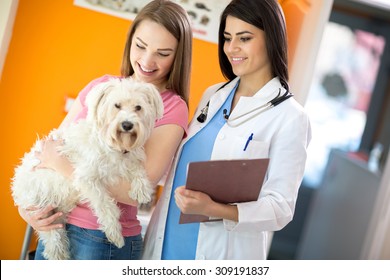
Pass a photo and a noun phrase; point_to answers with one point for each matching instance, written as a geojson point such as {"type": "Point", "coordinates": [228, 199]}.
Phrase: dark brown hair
{"type": "Point", "coordinates": [268, 16]}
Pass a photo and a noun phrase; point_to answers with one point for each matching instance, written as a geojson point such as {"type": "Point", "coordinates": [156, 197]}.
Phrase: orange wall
{"type": "Point", "coordinates": [55, 50]}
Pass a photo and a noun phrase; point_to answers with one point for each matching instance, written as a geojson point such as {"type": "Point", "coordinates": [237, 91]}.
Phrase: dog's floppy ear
{"type": "Point", "coordinates": [94, 97]}
{"type": "Point", "coordinates": [155, 100]}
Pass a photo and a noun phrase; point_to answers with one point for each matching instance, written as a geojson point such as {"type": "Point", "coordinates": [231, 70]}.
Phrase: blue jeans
{"type": "Point", "coordinates": [88, 244]}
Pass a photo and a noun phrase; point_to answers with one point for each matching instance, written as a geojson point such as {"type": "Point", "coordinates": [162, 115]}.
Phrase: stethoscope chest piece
{"type": "Point", "coordinates": [203, 113]}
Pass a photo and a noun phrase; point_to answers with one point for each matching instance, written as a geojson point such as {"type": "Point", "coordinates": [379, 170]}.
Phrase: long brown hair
{"type": "Point", "coordinates": [175, 19]}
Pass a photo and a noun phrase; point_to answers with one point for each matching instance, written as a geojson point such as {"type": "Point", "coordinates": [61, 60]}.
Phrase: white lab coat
{"type": "Point", "coordinates": [281, 133]}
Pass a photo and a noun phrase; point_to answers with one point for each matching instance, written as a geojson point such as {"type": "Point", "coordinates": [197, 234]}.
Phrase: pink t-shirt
{"type": "Point", "coordinates": [175, 112]}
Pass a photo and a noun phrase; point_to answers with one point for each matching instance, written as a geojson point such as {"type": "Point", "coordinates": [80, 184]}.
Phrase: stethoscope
{"type": "Point", "coordinates": [258, 110]}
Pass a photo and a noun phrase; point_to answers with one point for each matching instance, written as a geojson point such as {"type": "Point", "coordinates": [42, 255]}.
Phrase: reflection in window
{"type": "Point", "coordinates": [344, 78]}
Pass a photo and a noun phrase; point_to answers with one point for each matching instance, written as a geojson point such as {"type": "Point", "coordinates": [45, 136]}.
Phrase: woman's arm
{"type": "Point", "coordinates": [194, 202]}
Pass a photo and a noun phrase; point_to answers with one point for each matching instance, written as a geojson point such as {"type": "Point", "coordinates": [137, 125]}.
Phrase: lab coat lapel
{"type": "Point", "coordinates": [216, 98]}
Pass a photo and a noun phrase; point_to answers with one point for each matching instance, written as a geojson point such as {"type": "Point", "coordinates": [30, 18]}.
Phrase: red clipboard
{"type": "Point", "coordinates": [225, 181]}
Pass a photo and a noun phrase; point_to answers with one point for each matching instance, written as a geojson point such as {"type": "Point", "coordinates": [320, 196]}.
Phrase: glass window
{"type": "Point", "coordinates": [343, 81]}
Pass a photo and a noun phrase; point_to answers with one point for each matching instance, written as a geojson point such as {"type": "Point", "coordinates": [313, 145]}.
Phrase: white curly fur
{"type": "Point", "coordinates": [105, 148]}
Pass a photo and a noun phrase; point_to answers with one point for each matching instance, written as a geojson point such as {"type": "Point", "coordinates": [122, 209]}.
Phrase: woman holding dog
{"type": "Point", "coordinates": [158, 51]}
{"type": "Point", "coordinates": [234, 122]}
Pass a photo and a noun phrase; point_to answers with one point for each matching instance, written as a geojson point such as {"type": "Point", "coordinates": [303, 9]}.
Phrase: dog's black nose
{"type": "Point", "coordinates": [127, 126]}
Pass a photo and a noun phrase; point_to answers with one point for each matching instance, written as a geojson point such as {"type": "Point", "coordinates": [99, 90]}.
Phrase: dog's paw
{"type": "Point", "coordinates": [56, 251]}
{"type": "Point", "coordinates": [141, 190]}
{"type": "Point", "coordinates": [59, 255]}
{"type": "Point", "coordinates": [113, 231]}
{"type": "Point", "coordinates": [141, 195]}
{"type": "Point", "coordinates": [118, 240]}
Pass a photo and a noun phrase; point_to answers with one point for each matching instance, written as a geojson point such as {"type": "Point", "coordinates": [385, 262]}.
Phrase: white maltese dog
{"type": "Point", "coordinates": [104, 149]}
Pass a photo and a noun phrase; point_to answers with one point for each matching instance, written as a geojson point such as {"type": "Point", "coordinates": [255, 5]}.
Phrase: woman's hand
{"type": "Point", "coordinates": [41, 219]}
{"type": "Point", "coordinates": [193, 202]}
{"type": "Point", "coordinates": [50, 158]}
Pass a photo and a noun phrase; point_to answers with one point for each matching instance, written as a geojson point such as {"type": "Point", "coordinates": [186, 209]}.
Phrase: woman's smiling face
{"type": "Point", "coordinates": [152, 53]}
{"type": "Point", "coordinates": [246, 48]}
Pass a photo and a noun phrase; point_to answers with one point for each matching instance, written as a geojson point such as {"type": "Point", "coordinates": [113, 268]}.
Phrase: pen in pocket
{"type": "Point", "coordinates": [247, 141]}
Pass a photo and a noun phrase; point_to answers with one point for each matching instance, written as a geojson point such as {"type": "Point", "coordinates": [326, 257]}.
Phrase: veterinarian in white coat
{"type": "Point", "coordinates": [234, 122]}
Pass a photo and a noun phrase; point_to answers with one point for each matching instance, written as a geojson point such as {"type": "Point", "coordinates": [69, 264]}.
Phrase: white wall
{"type": "Point", "coordinates": [7, 15]}
{"type": "Point", "coordinates": [307, 47]}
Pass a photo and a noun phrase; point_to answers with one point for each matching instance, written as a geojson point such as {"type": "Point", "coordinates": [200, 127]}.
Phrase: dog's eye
{"type": "Point", "coordinates": [118, 106]}
{"type": "Point", "coordinates": [138, 108]}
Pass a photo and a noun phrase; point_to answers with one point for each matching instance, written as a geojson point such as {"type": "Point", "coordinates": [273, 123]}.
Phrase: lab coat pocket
{"type": "Point", "coordinates": [247, 147]}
